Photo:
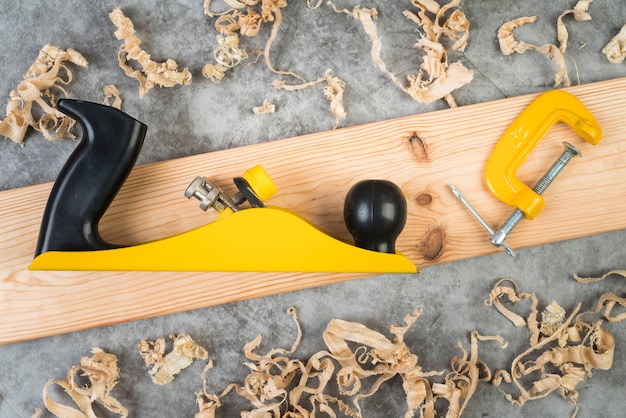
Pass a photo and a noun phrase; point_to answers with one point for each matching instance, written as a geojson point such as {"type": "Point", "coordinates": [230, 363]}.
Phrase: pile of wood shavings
{"type": "Point", "coordinates": [281, 386]}
{"type": "Point", "coordinates": [42, 82]}
{"type": "Point", "coordinates": [437, 77]}
{"type": "Point", "coordinates": [102, 372]}
{"type": "Point", "coordinates": [243, 20]}
{"type": "Point", "coordinates": [165, 366]}
{"type": "Point", "coordinates": [164, 74]}
{"type": "Point", "coordinates": [509, 45]}
{"type": "Point", "coordinates": [563, 350]}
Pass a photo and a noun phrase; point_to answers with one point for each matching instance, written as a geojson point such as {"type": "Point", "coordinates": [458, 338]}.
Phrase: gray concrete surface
{"type": "Point", "coordinates": [205, 117]}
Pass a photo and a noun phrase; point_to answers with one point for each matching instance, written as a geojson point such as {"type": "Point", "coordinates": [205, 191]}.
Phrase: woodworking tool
{"type": "Point", "coordinates": [512, 150]}
{"type": "Point", "coordinates": [248, 236]}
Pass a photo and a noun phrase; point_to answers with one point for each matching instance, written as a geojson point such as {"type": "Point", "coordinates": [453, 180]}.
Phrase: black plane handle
{"type": "Point", "coordinates": [91, 177]}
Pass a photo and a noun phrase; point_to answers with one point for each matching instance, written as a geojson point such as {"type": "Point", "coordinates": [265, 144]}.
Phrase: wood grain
{"type": "Point", "coordinates": [421, 153]}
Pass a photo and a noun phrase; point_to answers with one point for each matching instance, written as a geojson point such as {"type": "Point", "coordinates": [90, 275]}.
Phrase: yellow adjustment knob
{"type": "Point", "coordinates": [260, 182]}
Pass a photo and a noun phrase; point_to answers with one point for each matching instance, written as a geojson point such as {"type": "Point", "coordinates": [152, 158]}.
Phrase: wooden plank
{"type": "Point", "coordinates": [421, 153]}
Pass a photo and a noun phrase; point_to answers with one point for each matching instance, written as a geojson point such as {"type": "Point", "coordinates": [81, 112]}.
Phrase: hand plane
{"type": "Point", "coordinates": [257, 238]}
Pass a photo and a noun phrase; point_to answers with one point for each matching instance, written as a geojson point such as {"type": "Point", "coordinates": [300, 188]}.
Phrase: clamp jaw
{"type": "Point", "coordinates": [523, 135]}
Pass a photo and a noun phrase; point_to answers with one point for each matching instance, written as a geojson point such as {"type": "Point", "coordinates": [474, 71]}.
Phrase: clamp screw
{"type": "Point", "coordinates": [499, 237]}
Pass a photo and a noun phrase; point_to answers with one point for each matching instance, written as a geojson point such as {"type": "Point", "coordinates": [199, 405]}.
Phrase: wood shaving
{"type": "Point", "coordinates": [266, 107]}
{"type": "Point", "coordinates": [227, 55]}
{"type": "Point", "coordinates": [312, 5]}
{"type": "Point", "coordinates": [165, 366]}
{"type": "Point", "coordinates": [242, 19]}
{"type": "Point", "coordinates": [333, 91]}
{"type": "Point", "coordinates": [36, 94]}
{"type": "Point", "coordinates": [509, 45]}
{"type": "Point", "coordinates": [164, 74]}
{"type": "Point", "coordinates": [580, 279]}
{"type": "Point", "coordinates": [266, 390]}
{"type": "Point", "coordinates": [608, 300]}
{"type": "Point", "coordinates": [615, 50]}
{"type": "Point", "coordinates": [508, 289]}
{"type": "Point", "coordinates": [360, 360]}
{"type": "Point", "coordinates": [102, 372]}
{"type": "Point", "coordinates": [366, 17]}
{"type": "Point", "coordinates": [437, 77]}
{"type": "Point", "coordinates": [580, 14]}
{"type": "Point", "coordinates": [564, 350]}
{"type": "Point", "coordinates": [112, 96]}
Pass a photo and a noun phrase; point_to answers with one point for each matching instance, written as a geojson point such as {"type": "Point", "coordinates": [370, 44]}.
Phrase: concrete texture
{"type": "Point", "coordinates": [205, 117]}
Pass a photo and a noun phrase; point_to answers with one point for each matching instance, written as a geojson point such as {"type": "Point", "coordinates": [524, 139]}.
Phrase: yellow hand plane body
{"type": "Point", "coordinates": [254, 239]}
{"type": "Point", "coordinates": [250, 240]}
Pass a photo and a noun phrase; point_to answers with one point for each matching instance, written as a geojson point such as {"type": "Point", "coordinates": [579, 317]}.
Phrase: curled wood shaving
{"type": "Point", "coordinates": [333, 91]}
{"type": "Point", "coordinates": [243, 19]}
{"type": "Point", "coordinates": [271, 10]}
{"type": "Point", "coordinates": [552, 319]}
{"type": "Point", "coordinates": [312, 5]}
{"type": "Point", "coordinates": [509, 45]}
{"type": "Point", "coordinates": [184, 351]}
{"type": "Point", "coordinates": [567, 352]}
{"type": "Point", "coordinates": [366, 17]}
{"type": "Point", "coordinates": [508, 289]}
{"type": "Point", "coordinates": [36, 94]}
{"type": "Point", "coordinates": [102, 372]}
{"type": "Point", "coordinates": [580, 14]}
{"type": "Point", "coordinates": [506, 38]}
{"type": "Point", "coordinates": [112, 96]}
{"type": "Point", "coordinates": [608, 300]}
{"type": "Point", "coordinates": [266, 107]}
{"type": "Point", "coordinates": [437, 78]}
{"type": "Point", "coordinates": [615, 50]}
{"type": "Point", "coordinates": [360, 360]}
{"type": "Point", "coordinates": [597, 279]}
{"type": "Point", "coordinates": [164, 74]}
{"type": "Point", "coordinates": [266, 385]}
{"type": "Point", "coordinates": [227, 54]}
{"type": "Point", "coordinates": [467, 371]}
{"type": "Point", "coordinates": [379, 358]}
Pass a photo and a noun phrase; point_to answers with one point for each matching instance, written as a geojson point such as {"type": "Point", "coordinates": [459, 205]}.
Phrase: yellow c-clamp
{"type": "Point", "coordinates": [515, 145]}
